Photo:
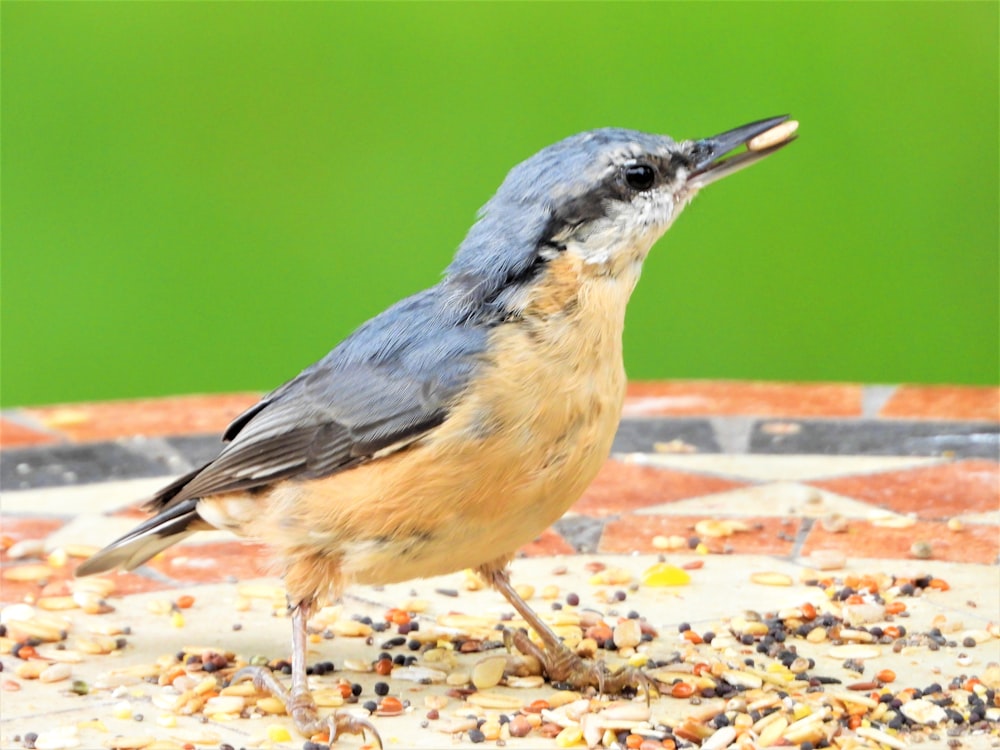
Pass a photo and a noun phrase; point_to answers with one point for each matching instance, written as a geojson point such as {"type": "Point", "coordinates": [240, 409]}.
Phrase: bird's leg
{"type": "Point", "coordinates": [560, 663]}
{"type": "Point", "coordinates": [299, 702]}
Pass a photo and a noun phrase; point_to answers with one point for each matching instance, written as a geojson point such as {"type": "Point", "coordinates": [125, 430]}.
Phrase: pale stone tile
{"type": "Point", "coordinates": [84, 498]}
{"type": "Point", "coordinates": [762, 467]}
{"type": "Point", "coordinates": [777, 499]}
{"type": "Point", "coordinates": [991, 518]}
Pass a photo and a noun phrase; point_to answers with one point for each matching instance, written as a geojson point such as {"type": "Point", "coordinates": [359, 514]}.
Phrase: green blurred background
{"type": "Point", "coordinates": [205, 197]}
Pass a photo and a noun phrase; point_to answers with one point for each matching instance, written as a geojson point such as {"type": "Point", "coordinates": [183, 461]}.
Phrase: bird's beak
{"type": "Point", "coordinates": [761, 138]}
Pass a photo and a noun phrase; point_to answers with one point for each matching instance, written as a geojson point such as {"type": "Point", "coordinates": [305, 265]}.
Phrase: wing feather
{"type": "Point", "coordinates": [390, 382]}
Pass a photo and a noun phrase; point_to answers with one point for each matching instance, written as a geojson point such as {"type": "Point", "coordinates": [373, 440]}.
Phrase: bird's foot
{"type": "Point", "coordinates": [302, 708]}
{"type": "Point", "coordinates": [564, 667]}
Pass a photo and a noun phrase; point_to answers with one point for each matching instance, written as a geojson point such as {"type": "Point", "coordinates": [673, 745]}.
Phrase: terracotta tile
{"type": "Point", "coordinates": [751, 399]}
{"type": "Point", "coordinates": [14, 435]}
{"type": "Point", "coordinates": [125, 582]}
{"type": "Point", "coordinates": [621, 486]}
{"type": "Point", "coordinates": [183, 415]}
{"type": "Point", "coordinates": [942, 491]}
{"type": "Point", "coordinates": [768, 536]}
{"type": "Point", "coordinates": [134, 510]}
{"type": "Point", "coordinates": [973, 544]}
{"type": "Point", "coordinates": [13, 592]}
{"type": "Point", "coordinates": [944, 402]}
{"type": "Point", "coordinates": [58, 584]}
{"type": "Point", "coordinates": [550, 542]}
{"type": "Point", "coordinates": [26, 527]}
{"type": "Point", "coordinates": [214, 562]}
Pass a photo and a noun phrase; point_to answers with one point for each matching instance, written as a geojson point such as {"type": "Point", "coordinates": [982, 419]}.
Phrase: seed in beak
{"type": "Point", "coordinates": [774, 136]}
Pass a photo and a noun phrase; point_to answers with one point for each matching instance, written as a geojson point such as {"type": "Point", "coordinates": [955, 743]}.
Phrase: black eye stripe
{"type": "Point", "coordinates": [639, 177]}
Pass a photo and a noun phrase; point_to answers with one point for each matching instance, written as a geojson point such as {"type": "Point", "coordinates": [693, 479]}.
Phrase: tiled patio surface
{"type": "Point", "coordinates": [719, 480]}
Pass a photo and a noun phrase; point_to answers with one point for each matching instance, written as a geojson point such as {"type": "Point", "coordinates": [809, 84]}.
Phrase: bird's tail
{"type": "Point", "coordinates": [147, 539]}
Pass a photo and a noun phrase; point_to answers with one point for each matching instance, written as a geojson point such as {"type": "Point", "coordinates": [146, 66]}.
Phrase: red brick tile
{"type": "Point", "coordinates": [58, 584]}
{"type": "Point", "coordinates": [940, 491]}
{"type": "Point", "coordinates": [135, 510]}
{"type": "Point", "coordinates": [13, 592]}
{"type": "Point", "coordinates": [18, 528]}
{"type": "Point", "coordinates": [620, 487]}
{"type": "Point", "coordinates": [125, 582]}
{"type": "Point", "coordinates": [14, 435]}
{"type": "Point", "coordinates": [719, 397]}
{"type": "Point", "coordinates": [635, 533]}
{"type": "Point", "coordinates": [944, 402]}
{"type": "Point", "coordinates": [214, 562]}
{"type": "Point", "coordinates": [184, 415]}
{"type": "Point", "coordinates": [550, 542]}
{"type": "Point", "coordinates": [973, 544]}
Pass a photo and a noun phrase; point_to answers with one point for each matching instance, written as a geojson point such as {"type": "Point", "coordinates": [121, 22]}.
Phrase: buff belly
{"type": "Point", "coordinates": [521, 446]}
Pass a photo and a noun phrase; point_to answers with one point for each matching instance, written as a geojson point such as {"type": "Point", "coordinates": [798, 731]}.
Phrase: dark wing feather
{"type": "Point", "coordinates": [391, 381]}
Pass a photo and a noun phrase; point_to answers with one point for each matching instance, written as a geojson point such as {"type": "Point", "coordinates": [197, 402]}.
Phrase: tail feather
{"type": "Point", "coordinates": [146, 540]}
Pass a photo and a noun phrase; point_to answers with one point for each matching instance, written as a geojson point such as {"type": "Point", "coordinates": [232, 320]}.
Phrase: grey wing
{"type": "Point", "coordinates": [390, 382]}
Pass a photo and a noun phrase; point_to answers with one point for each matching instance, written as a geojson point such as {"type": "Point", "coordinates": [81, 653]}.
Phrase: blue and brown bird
{"type": "Point", "coordinates": [451, 429]}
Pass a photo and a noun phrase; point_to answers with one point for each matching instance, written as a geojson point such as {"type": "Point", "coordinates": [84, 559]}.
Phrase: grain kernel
{"type": "Point", "coordinates": [774, 136]}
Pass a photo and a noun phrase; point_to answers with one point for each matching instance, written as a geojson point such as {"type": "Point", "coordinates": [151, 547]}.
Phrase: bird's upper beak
{"type": "Point", "coordinates": [706, 154]}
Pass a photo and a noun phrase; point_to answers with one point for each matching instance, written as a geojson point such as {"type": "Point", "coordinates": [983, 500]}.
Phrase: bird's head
{"type": "Point", "coordinates": [604, 195]}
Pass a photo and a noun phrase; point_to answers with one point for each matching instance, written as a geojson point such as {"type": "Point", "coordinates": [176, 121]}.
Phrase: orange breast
{"type": "Point", "coordinates": [521, 446]}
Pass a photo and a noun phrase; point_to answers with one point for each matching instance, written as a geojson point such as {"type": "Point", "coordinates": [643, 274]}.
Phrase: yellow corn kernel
{"type": "Point", "coordinates": [663, 574]}
{"type": "Point", "coordinates": [569, 737]}
{"type": "Point", "coordinates": [277, 733]}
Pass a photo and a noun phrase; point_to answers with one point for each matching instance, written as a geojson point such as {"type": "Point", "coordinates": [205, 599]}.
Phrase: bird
{"type": "Point", "coordinates": [452, 428]}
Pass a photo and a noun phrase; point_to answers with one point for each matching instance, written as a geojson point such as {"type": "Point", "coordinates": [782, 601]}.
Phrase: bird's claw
{"type": "Point", "coordinates": [263, 679]}
{"type": "Point", "coordinates": [344, 722]}
{"type": "Point", "coordinates": [563, 667]}
{"type": "Point", "coordinates": [301, 707]}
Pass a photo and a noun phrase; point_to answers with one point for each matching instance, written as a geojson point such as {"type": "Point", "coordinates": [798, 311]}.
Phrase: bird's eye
{"type": "Point", "coordinates": [640, 176]}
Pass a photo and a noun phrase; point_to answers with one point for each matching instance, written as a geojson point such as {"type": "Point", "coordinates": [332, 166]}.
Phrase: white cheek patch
{"type": "Point", "coordinates": [627, 235]}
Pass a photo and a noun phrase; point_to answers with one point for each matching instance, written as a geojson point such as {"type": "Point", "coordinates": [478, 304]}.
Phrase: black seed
{"type": "Point", "coordinates": [476, 736]}
{"type": "Point", "coordinates": [572, 599]}
{"type": "Point", "coordinates": [356, 689]}
{"type": "Point", "coordinates": [371, 706]}
{"type": "Point", "coordinates": [381, 688]}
